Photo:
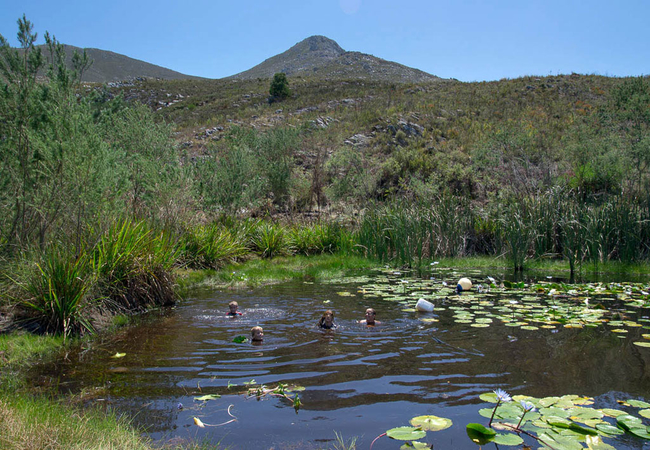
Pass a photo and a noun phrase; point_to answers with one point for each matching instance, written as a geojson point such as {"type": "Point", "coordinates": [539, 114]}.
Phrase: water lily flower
{"type": "Point", "coordinates": [179, 406]}
{"type": "Point", "coordinates": [502, 396]}
{"type": "Point", "coordinates": [528, 407]}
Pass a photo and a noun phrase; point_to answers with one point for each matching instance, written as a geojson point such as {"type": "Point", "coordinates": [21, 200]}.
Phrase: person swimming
{"type": "Point", "coordinates": [370, 318]}
{"type": "Point", "coordinates": [327, 321]}
{"type": "Point", "coordinates": [257, 334]}
{"type": "Point", "coordinates": [232, 306]}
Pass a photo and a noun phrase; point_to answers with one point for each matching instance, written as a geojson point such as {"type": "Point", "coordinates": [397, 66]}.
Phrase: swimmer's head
{"type": "Point", "coordinates": [257, 334]}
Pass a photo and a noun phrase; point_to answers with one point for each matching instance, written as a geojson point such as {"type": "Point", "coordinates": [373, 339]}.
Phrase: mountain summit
{"type": "Point", "coordinates": [321, 56]}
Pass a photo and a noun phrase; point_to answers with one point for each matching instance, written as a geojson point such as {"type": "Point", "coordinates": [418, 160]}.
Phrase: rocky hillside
{"type": "Point", "coordinates": [321, 56]}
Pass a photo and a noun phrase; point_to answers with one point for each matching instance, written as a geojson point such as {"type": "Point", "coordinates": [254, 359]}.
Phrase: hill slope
{"type": "Point", "coordinates": [319, 55]}
{"type": "Point", "coordinates": [109, 66]}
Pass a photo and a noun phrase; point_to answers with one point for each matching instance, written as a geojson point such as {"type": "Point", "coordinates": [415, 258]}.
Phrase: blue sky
{"type": "Point", "coordinates": [470, 40]}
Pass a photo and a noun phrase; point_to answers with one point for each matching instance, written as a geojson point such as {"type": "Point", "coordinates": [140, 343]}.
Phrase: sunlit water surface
{"type": "Point", "coordinates": [359, 381]}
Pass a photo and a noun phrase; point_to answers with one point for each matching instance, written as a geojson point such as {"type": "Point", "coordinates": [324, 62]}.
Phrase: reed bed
{"type": "Point", "coordinates": [553, 225]}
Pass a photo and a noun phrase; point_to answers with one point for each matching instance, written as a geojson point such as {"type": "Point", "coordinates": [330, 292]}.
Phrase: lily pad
{"type": "Point", "coordinates": [609, 429]}
{"type": "Point", "coordinates": [642, 344]}
{"type": "Point", "coordinates": [415, 445]}
{"type": "Point", "coordinates": [406, 433]}
{"type": "Point", "coordinates": [431, 423]}
{"type": "Point", "coordinates": [479, 434]}
{"type": "Point", "coordinates": [508, 439]}
{"type": "Point", "coordinates": [490, 397]}
{"type": "Point", "coordinates": [596, 443]}
{"type": "Point", "coordinates": [613, 412]}
{"type": "Point", "coordinates": [638, 404]}
{"type": "Point", "coordinates": [645, 413]}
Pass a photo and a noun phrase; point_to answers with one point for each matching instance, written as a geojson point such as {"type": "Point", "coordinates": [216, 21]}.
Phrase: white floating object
{"type": "Point", "coordinates": [424, 306]}
{"type": "Point", "coordinates": [465, 284]}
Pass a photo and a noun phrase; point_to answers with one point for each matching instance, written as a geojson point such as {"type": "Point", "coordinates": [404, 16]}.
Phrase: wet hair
{"type": "Point", "coordinates": [321, 322]}
{"type": "Point", "coordinates": [254, 329]}
{"type": "Point", "coordinates": [233, 303]}
{"type": "Point", "coordinates": [372, 310]}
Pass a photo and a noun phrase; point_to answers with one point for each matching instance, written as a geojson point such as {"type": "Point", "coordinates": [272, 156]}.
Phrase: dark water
{"type": "Point", "coordinates": [359, 381]}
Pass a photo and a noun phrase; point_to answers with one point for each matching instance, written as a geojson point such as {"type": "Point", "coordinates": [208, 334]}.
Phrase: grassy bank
{"type": "Point", "coordinates": [260, 272]}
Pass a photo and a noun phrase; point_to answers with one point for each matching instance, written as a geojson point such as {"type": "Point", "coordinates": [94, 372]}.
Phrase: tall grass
{"type": "Point", "coordinates": [59, 293]}
{"type": "Point", "coordinates": [555, 224]}
{"type": "Point", "coordinates": [133, 265]}
{"type": "Point", "coordinates": [212, 246]}
{"type": "Point", "coordinates": [270, 240]}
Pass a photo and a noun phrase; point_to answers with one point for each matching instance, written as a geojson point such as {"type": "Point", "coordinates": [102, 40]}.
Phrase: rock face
{"type": "Point", "coordinates": [321, 56]}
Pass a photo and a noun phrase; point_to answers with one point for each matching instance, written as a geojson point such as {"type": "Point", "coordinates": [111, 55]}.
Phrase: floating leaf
{"type": "Point", "coordinates": [548, 401]}
{"type": "Point", "coordinates": [645, 413]}
{"type": "Point", "coordinates": [638, 404]}
{"type": "Point", "coordinates": [415, 445]}
{"type": "Point", "coordinates": [508, 439]}
{"type": "Point", "coordinates": [431, 423]}
{"type": "Point", "coordinates": [118, 355]}
{"type": "Point", "coordinates": [596, 443]}
{"type": "Point", "coordinates": [205, 398]}
{"type": "Point", "coordinates": [239, 339]}
{"type": "Point", "coordinates": [479, 434]}
{"type": "Point", "coordinates": [406, 433]}
{"type": "Point", "coordinates": [609, 429]}
{"type": "Point", "coordinates": [627, 422]}
{"type": "Point", "coordinates": [560, 442]}
{"type": "Point", "coordinates": [613, 412]}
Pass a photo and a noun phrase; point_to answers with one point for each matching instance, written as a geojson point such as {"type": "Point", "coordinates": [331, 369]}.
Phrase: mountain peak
{"type": "Point", "coordinates": [320, 44]}
{"type": "Point", "coordinates": [321, 56]}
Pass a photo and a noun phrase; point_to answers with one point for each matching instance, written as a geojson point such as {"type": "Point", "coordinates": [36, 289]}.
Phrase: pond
{"type": "Point", "coordinates": [359, 381]}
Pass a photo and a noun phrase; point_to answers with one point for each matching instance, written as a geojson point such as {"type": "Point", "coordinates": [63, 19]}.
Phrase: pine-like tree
{"type": "Point", "coordinates": [279, 89]}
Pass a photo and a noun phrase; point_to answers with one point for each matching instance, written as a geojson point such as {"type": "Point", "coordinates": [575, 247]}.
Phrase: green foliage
{"type": "Point", "coordinates": [228, 179]}
{"type": "Point", "coordinates": [59, 293]}
{"type": "Point", "coordinates": [279, 89]}
{"type": "Point", "coordinates": [211, 246]}
{"type": "Point", "coordinates": [269, 240]}
{"type": "Point", "coordinates": [132, 263]}
{"type": "Point", "coordinates": [318, 238]}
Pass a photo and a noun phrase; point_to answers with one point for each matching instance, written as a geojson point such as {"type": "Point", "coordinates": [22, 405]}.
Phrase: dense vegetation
{"type": "Point", "coordinates": [107, 193]}
{"type": "Point", "coordinates": [103, 199]}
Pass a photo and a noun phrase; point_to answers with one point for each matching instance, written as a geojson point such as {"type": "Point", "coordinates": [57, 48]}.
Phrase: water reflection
{"type": "Point", "coordinates": [359, 380]}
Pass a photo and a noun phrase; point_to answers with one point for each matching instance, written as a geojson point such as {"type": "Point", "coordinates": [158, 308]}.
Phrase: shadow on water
{"type": "Point", "coordinates": [358, 380]}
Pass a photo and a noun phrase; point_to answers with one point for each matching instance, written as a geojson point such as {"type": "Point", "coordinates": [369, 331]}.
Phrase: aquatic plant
{"type": "Point", "coordinates": [502, 397]}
